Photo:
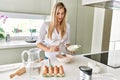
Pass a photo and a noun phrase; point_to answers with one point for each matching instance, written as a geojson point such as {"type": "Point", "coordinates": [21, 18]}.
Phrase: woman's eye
{"type": "Point", "coordinates": [62, 13]}
{"type": "Point", "coordinates": [58, 13]}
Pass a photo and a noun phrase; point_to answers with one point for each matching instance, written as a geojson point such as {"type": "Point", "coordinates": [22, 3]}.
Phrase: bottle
{"type": "Point", "coordinates": [7, 37]}
{"type": "Point", "coordinates": [85, 73]}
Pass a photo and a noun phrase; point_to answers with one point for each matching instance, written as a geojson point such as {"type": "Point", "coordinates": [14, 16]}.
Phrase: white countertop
{"type": "Point", "coordinates": [71, 71]}
{"type": "Point", "coordinates": [15, 44]}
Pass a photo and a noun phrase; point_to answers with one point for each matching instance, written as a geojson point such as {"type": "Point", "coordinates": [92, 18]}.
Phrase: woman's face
{"type": "Point", "coordinates": [60, 15]}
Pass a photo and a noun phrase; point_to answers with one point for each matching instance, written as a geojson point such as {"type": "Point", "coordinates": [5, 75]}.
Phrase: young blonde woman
{"type": "Point", "coordinates": [54, 32]}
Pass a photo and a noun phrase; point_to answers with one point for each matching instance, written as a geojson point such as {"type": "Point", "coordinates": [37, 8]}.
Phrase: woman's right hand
{"type": "Point", "coordinates": [54, 49]}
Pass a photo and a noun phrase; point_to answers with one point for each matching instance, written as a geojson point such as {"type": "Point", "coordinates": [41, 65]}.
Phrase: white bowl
{"type": "Point", "coordinates": [73, 47]}
{"type": "Point", "coordinates": [64, 59]}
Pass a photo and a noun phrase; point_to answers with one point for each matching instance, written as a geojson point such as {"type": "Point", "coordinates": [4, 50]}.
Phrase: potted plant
{"type": "Point", "coordinates": [2, 22]}
{"type": "Point", "coordinates": [31, 38]}
{"type": "Point", "coordinates": [2, 34]}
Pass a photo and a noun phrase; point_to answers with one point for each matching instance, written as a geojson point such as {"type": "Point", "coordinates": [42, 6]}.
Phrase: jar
{"type": "Point", "coordinates": [85, 73]}
{"type": "Point", "coordinates": [7, 37]}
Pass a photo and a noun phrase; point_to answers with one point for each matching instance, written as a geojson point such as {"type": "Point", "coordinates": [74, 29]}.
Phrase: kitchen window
{"type": "Point", "coordinates": [20, 26]}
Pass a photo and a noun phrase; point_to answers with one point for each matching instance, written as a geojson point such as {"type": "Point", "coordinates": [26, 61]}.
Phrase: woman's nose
{"type": "Point", "coordinates": [60, 16]}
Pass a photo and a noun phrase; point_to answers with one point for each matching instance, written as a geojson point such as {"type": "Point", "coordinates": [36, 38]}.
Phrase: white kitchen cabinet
{"type": "Point", "coordinates": [84, 29]}
{"type": "Point", "coordinates": [12, 55]}
{"type": "Point", "coordinates": [26, 6]}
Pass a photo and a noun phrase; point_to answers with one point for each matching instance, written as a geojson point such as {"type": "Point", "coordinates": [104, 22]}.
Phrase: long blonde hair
{"type": "Point", "coordinates": [53, 22]}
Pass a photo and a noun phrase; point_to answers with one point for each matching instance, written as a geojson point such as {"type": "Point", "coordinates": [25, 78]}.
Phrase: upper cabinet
{"type": "Point", "coordinates": [107, 4]}
{"type": "Point", "coordinates": [26, 6]}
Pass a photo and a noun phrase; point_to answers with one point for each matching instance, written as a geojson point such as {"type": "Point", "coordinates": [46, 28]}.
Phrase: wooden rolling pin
{"type": "Point", "coordinates": [18, 72]}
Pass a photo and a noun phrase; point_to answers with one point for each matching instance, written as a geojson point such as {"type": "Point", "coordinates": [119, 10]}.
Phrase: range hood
{"type": "Point", "coordinates": [108, 4]}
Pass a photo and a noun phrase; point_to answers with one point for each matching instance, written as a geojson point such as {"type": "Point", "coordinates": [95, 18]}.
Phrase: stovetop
{"type": "Point", "coordinates": [104, 59]}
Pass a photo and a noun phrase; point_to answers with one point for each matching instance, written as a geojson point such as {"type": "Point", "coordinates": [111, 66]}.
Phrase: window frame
{"type": "Point", "coordinates": [24, 16]}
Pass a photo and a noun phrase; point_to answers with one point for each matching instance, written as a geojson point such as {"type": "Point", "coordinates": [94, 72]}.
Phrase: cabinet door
{"type": "Point", "coordinates": [84, 29]}
{"type": "Point", "coordinates": [71, 6]}
{"type": "Point", "coordinates": [26, 6]}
